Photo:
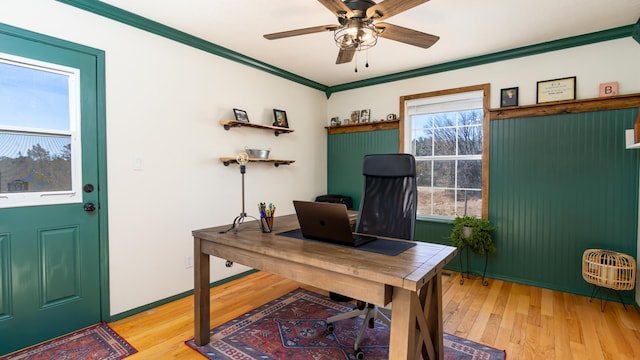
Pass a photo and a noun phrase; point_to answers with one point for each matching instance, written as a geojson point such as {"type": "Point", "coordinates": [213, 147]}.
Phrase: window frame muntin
{"type": "Point", "coordinates": [486, 89]}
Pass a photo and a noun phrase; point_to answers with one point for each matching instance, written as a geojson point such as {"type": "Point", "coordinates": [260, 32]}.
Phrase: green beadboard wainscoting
{"type": "Point", "coordinates": [559, 184]}
{"type": "Point", "coordinates": [344, 159]}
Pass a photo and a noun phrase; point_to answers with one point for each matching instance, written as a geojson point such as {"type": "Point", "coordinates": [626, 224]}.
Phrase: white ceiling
{"type": "Point", "coordinates": [467, 28]}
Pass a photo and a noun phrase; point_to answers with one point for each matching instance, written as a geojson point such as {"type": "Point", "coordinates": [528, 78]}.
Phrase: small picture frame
{"type": "Point", "coordinates": [364, 115]}
{"type": "Point", "coordinates": [556, 90]}
{"type": "Point", "coordinates": [509, 97]}
{"type": "Point", "coordinates": [355, 117]}
{"type": "Point", "coordinates": [241, 115]}
{"type": "Point", "coordinates": [335, 121]}
{"type": "Point", "coordinates": [280, 118]}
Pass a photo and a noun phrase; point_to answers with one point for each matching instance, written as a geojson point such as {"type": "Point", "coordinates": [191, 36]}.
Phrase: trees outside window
{"type": "Point", "coordinates": [447, 132]}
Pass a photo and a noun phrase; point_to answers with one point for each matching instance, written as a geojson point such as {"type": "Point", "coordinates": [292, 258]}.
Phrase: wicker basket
{"type": "Point", "coordinates": [609, 269]}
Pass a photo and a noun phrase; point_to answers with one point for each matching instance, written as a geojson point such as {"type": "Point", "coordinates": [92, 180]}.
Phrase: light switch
{"type": "Point", "coordinates": [138, 164]}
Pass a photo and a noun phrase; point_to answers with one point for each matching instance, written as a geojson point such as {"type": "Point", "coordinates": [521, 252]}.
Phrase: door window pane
{"type": "Point", "coordinates": [34, 163]}
{"type": "Point", "coordinates": [39, 133]}
{"type": "Point", "coordinates": [33, 98]}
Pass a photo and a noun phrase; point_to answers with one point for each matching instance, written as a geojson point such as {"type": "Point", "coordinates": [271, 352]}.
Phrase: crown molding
{"type": "Point", "coordinates": [586, 39]}
{"type": "Point", "coordinates": [128, 18]}
{"type": "Point", "coordinates": [142, 23]}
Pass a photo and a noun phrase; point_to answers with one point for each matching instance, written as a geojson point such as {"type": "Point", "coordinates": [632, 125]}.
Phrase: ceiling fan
{"type": "Point", "coordinates": [359, 28]}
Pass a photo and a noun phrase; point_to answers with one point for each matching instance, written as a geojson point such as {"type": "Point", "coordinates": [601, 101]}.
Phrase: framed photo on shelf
{"type": "Point", "coordinates": [280, 118]}
{"type": "Point", "coordinates": [509, 97]}
{"type": "Point", "coordinates": [364, 115]}
{"type": "Point", "coordinates": [556, 90]}
{"type": "Point", "coordinates": [355, 117]}
{"type": "Point", "coordinates": [241, 115]}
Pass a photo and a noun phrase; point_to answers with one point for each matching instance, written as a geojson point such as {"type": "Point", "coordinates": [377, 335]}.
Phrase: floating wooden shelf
{"type": "Point", "coordinates": [567, 107]}
{"type": "Point", "coordinates": [229, 160]}
{"type": "Point", "coordinates": [228, 124]}
{"type": "Point", "coordinates": [370, 126]}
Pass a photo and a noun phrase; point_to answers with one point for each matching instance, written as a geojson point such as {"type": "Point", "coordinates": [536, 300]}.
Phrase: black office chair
{"type": "Point", "coordinates": [387, 208]}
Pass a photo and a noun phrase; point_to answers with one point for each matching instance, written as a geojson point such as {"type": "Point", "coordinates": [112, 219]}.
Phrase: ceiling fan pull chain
{"type": "Point", "coordinates": [367, 60]}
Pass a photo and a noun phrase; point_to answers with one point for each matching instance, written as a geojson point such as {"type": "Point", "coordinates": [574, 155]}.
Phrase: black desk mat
{"type": "Point", "coordinates": [379, 246]}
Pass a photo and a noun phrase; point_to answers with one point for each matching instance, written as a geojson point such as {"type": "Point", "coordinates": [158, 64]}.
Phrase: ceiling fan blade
{"type": "Point", "coordinates": [336, 7]}
{"type": "Point", "coordinates": [388, 8]}
{"type": "Point", "coordinates": [310, 30]}
{"type": "Point", "coordinates": [345, 56]}
{"type": "Point", "coordinates": [407, 36]}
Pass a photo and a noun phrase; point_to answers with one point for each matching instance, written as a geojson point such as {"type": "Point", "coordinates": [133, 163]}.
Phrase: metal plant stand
{"type": "Point", "coordinates": [462, 271]}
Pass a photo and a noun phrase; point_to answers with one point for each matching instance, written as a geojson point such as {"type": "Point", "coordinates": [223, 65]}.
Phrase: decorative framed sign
{"type": "Point", "coordinates": [280, 117]}
{"type": "Point", "coordinates": [241, 115]}
{"type": "Point", "coordinates": [556, 90]}
{"type": "Point", "coordinates": [509, 97]}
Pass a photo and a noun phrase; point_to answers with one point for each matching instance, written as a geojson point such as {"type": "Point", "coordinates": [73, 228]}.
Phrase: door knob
{"type": "Point", "coordinates": [89, 207]}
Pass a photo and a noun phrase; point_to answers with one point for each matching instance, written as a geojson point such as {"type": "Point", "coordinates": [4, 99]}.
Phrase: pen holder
{"type": "Point", "coordinates": [266, 224]}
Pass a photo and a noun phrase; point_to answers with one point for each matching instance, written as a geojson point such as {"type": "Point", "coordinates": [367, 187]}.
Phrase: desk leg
{"type": "Point", "coordinates": [201, 295]}
{"type": "Point", "coordinates": [416, 323]}
{"type": "Point", "coordinates": [403, 320]}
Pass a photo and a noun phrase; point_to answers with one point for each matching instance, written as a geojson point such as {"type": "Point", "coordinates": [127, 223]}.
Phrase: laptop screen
{"type": "Point", "coordinates": [324, 221]}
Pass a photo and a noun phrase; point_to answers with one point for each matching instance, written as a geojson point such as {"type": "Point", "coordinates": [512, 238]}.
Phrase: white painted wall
{"type": "Point", "coordinates": [594, 64]}
{"type": "Point", "coordinates": [164, 101]}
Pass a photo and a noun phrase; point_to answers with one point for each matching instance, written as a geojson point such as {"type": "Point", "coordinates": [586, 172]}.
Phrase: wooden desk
{"type": "Point", "coordinates": [411, 280]}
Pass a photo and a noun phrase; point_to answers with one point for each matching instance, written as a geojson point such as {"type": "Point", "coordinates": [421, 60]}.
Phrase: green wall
{"type": "Point", "coordinates": [559, 185]}
{"type": "Point", "coordinates": [344, 159]}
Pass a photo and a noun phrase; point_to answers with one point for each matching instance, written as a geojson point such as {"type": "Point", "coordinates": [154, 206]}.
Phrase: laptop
{"type": "Point", "coordinates": [328, 222]}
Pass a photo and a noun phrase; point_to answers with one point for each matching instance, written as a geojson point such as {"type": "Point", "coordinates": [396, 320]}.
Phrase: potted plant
{"type": "Point", "coordinates": [473, 232]}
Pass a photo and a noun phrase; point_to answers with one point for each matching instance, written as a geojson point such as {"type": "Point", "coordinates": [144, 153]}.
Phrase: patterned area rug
{"type": "Point", "coordinates": [96, 342]}
{"type": "Point", "coordinates": [293, 327]}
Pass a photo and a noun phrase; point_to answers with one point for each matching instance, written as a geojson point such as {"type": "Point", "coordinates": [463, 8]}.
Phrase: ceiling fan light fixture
{"type": "Point", "coordinates": [359, 28]}
{"type": "Point", "coordinates": [356, 34]}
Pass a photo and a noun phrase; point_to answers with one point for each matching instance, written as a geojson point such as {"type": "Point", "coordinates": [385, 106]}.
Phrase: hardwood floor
{"type": "Point", "coordinates": [527, 322]}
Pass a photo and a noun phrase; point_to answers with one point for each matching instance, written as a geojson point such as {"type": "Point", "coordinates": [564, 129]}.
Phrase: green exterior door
{"type": "Point", "coordinates": [49, 234]}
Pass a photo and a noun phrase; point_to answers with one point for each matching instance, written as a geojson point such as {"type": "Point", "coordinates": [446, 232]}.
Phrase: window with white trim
{"type": "Point", "coordinates": [39, 133]}
{"type": "Point", "coordinates": [445, 131]}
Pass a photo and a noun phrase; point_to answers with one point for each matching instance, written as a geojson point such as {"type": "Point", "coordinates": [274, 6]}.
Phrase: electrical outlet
{"type": "Point", "coordinates": [188, 262]}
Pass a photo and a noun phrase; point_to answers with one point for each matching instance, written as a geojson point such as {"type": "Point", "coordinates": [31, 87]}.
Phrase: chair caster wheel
{"type": "Point", "coordinates": [359, 354]}
{"type": "Point", "coordinates": [330, 327]}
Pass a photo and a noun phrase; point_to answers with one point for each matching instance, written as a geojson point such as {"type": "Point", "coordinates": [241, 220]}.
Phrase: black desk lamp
{"type": "Point", "coordinates": [242, 159]}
